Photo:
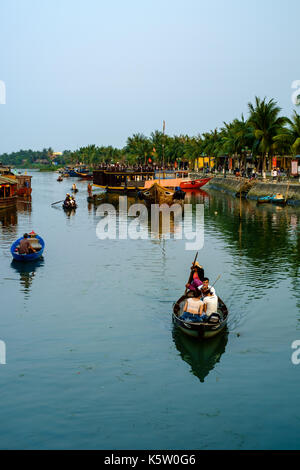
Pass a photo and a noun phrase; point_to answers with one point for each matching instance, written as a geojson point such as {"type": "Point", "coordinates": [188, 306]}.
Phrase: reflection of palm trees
{"type": "Point", "coordinates": [27, 272]}
{"type": "Point", "coordinates": [202, 356]}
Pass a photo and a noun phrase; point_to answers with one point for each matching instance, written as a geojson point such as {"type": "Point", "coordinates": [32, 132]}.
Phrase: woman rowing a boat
{"type": "Point", "coordinates": [197, 276]}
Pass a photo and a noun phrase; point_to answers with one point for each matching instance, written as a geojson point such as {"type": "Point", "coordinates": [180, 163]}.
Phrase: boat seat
{"type": "Point", "coordinates": [35, 243]}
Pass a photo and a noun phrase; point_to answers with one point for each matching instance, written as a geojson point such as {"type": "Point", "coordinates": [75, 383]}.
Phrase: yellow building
{"type": "Point", "coordinates": [203, 162]}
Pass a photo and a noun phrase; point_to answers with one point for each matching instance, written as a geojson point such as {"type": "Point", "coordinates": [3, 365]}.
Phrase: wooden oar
{"type": "Point", "coordinates": [216, 280]}
{"type": "Point", "coordinates": [191, 274]}
{"type": "Point", "coordinates": [57, 202]}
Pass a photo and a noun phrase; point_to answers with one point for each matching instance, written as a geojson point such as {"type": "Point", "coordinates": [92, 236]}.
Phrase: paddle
{"type": "Point", "coordinates": [191, 274]}
{"type": "Point", "coordinates": [57, 202]}
{"type": "Point", "coordinates": [216, 280]}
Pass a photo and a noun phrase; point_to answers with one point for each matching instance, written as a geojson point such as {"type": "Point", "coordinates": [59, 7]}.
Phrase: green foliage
{"type": "Point", "coordinates": [262, 134]}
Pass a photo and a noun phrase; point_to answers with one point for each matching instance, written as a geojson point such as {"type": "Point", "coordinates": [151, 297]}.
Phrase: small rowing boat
{"type": "Point", "coordinates": [35, 241]}
{"type": "Point", "coordinates": [213, 326]}
{"type": "Point", "coordinates": [194, 184]}
{"type": "Point", "coordinates": [157, 194]}
{"type": "Point", "coordinates": [275, 199]}
{"type": "Point", "coordinates": [67, 206]}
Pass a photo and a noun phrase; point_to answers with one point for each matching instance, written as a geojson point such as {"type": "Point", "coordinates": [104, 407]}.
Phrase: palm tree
{"type": "Point", "coordinates": [266, 123]}
{"type": "Point", "coordinates": [289, 138]}
{"type": "Point", "coordinates": [139, 146]}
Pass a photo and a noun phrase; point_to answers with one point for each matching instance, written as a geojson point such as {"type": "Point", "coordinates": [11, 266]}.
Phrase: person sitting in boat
{"type": "Point", "coordinates": [67, 200]}
{"type": "Point", "coordinates": [206, 286]}
{"type": "Point", "coordinates": [25, 247]}
{"type": "Point", "coordinates": [198, 276]}
{"type": "Point", "coordinates": [210, 304]}
{"type": "Point", "coordinates": [72, 201]}
{"type": "Point", "coordinates": [193, 308]}
{"type": "Point", "coordinates": [74, 186]}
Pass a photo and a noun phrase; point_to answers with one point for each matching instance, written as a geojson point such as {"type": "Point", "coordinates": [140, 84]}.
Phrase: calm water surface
{"type": "Point", "coordinates": [93, 360]}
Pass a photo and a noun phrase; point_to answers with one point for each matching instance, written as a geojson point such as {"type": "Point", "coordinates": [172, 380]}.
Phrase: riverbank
{"type": "Point", "coordinates": [256, 188]}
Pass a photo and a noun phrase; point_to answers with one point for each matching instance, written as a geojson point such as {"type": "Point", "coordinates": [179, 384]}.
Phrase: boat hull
{"type": "Point", "coordinates": [194, 184]}
{"type": "Point", "coordinates": [8, 201]}
{"type": "Point", "coordinates": [199, 330]}
{"type": "Point", "coordinates": [30, 256]}
{"type": "Point", "coordinates": [272, 200]}
{"type": "Point", "coordinates": [157, 194]}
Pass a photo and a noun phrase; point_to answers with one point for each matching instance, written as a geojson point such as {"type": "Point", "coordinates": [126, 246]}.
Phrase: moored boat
{"type": "Point", "coordinates": [213, 326]}
{"type": "Point", "coordinates": [157, 194]}
{"type": "Point", "coordinates": [275, 199]}
{"type": "Point", "coordinates": [85, 175]}
{"type": "Point", "coordinates": [194, 184]}
{"type": "Point", "coordinates": [8, 192]}
{"type": "Point", "coordinates": [36, 242]}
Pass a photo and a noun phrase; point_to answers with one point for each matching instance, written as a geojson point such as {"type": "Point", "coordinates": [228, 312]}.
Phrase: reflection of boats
{"type": "Point", "coordinates": [36, 242]}
{"type": "Point", "coordinates": [215, 324]}
{"type": "Point", "coordinates": [9, 217]}
{"type": "Point", "coordinates": [157, 194]}
{"type": "Point", "coordinates": [194, 184]}
{"type": "Point", "coordinates": [201, 356]}
{"type": "Point", "coordinates": [275, 199]}
{"type": "Point", "coordinates": [27, 271]}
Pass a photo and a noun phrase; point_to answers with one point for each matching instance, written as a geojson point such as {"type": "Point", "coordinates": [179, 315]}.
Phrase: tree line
{"type": "Point", "coordinates": [262, 135]}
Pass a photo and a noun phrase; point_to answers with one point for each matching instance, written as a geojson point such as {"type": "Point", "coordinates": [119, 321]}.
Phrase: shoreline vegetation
{"type": "Point", "coordinates": [254, 142]}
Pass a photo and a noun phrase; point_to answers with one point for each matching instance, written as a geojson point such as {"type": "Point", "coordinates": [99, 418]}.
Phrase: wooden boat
{"type": "Point", "coordinates": [157, 194]}
{"type": "Point", "coordinates": [8, 192]}
{"type": "Point", "coordinates": [60, 178]}
{"type": "Point", "coordinates": [69, 207]}
{"type": "Point", "coordinates": [216, 323]}
{"type": "Point", "coordinates": [84, 175]}
{"type": "Point", "coordinates": [36, 242]}
{"type": "Point", "coordinates": [194, 184]}
{"type": "Point", "coordinates": [75, 190]}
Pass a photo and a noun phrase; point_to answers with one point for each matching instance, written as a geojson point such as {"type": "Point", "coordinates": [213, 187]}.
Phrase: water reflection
{"type": "Point", "coordinates": [24, 205]}
{"type": "Point", "coordinates": [145, 223]}
{"type": "Point", "coordinates": [8, 217]}
{"type": "Point", "coordinates": [27, 273]}
{"type": "Point", "coordinates": [202, 356]}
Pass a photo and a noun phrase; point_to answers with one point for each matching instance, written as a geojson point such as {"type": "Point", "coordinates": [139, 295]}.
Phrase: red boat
{"type": "Point", "coordinates": [194, 184]}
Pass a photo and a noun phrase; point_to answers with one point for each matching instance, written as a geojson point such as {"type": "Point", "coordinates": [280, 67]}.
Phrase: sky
{"type": "Point", "coordinates": [95, 72]}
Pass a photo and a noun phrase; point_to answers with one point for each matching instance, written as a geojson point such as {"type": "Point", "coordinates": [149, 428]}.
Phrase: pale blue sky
{"type": "Point", "coordinates": [95, 72]}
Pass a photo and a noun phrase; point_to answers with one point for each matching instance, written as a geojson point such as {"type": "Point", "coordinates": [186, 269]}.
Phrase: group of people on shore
{"type": "Point", "coordinates": [136, 168]}
{"type": "Point", "coordinates": [203, 302]}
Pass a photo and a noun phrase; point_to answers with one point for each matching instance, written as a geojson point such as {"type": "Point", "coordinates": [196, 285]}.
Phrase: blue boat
{"type": "Point", "coordinates": [37, 243]}
{"type": "Point", "coordinates": [275, 199]}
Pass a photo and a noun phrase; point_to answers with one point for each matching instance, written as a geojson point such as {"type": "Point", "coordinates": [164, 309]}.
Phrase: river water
{"type": "Point", "coordinates": [92, 358]}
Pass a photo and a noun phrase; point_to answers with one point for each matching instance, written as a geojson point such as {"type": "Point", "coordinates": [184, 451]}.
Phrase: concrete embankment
{"type": "Point", "coordinates": [255, 189]}
{"type": "Point", "coordinates": [290, 191]}
{"type": "Point", "coordinates": [230, 185]}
